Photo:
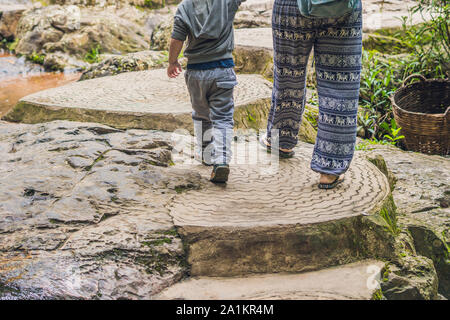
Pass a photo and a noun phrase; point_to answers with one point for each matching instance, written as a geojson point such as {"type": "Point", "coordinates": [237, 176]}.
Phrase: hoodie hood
{"type": "Point", "coordinates": [207, 18]}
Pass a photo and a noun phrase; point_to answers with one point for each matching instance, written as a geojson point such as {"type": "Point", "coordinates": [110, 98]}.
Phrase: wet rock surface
{"type": "Point", "coordinates": [10, 15]}
{"type": "Point", "coordinates": [411, 278]}
{"type": "Point", "coordinates": [161, 35]}
{"type": "Point", "coordinates": [11, 67]}
{"type": "Point", "coordinates": [83, 212]}
{"type": "Point", "coordinates": [86, 211]}
{"type": "Point", "coordinates": [115, 64]}
{"type": "Point", "coordinates": [76, 31]}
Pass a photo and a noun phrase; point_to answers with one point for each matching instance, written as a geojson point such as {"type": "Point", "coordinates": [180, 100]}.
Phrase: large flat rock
{"type": "Point", "coordinates": [83, 212]}
{"type": "Point", "coordinates": [272, 217]}
{"type": "Point", "coordinates": [10, 15]}
{"type": "Point", "coordinates": [357, 281]}
{"type": "Point", "coordinates": [143, 100]}
{"type": "Point", "coordinates": [89, 211]}
{"type": "Point", "coordinates": [8, 7]}
{"type": "Point", "coordinates": [422, 196]}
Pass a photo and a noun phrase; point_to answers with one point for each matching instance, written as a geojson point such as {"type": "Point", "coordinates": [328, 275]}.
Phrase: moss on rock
{"type": "Point", "coordinates": [254, 60]}
{"type": "Point", "coordinates": [380, 163]}
{"type": "Point", "coordinates": [432, 245]}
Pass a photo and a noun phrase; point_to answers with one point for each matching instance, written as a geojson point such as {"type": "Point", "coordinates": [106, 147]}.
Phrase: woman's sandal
{"type": "Point", "coordinates": [281, 153]}
{"type": "Point", "coordinates": [332, 184]}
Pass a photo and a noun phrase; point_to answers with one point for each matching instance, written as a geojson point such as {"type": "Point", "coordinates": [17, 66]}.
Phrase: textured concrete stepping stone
{"type": "Point", "coordinates": [357, 281]}
{"type": "Point", "coordinates": [143, 100]}
{"type": "Point", "coordinates": [269, 219]}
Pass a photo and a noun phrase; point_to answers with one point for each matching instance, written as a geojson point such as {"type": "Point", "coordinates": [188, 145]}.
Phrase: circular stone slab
{"type": "Point", "coordinates": [145, 100]}
{"type": "Point", "coordinates": [265, 221]}
{"type": "Point", "coordinates": [254, 197]}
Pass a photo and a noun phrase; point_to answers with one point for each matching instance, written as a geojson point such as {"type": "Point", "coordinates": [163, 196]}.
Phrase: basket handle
{"type": "Point", "coordinates": [414, 76]}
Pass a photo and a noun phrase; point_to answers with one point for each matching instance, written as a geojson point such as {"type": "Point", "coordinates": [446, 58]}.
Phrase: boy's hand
{"type": "Point", "coordinates": [174, 70]}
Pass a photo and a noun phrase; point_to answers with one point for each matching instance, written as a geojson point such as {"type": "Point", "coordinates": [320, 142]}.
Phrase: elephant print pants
{"type": "Point", "coordinates": [337, 44]}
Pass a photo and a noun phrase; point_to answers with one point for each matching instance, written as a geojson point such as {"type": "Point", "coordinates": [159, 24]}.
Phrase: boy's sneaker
{"type": "Point", "coordinates": [220, 173]}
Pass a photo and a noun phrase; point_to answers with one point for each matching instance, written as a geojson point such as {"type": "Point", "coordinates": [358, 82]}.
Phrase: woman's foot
{"type": "Point", "coordinates": [329, 181]}
{"type": "Point", "coordinates": [284, 153]}
{"type": "Point", "coordinates": [327, 178]}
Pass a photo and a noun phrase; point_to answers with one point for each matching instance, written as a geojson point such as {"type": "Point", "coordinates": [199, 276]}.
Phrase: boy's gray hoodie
{"type": "Point", "coordinates": [208, 25]}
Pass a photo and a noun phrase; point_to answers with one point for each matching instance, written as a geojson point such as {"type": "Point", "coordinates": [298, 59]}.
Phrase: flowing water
{"type": "Point", "coordinates": [19, 78]}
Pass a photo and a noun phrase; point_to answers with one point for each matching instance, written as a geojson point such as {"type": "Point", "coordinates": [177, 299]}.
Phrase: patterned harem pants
{"type": "Point", "coordinates": [337, 44]}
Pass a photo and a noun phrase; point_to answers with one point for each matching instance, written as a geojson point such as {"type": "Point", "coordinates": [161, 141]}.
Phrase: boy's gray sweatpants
{"type": "Point", "coordinates": [212, 101]}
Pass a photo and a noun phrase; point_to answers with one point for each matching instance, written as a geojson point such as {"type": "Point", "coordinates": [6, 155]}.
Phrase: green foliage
{"type": "Point", "coordinates": [312, 114]}
{"type": "Point", "coordinates": [394, 136]}
{"type": "Point", "coordinates": [12, 45]}
{"type": "Point", "coordinates": [36, 58]}
{"type": "Point", "coordinates": [170, 232]}
{"type": "Point", "coordinates": [366, 123]}
{"type": "Point", "coordinates": [152, 4]}
{"type": "Point", "coordinates": [157, 242]}
{"type": "Point", "coordinates": [391, 221]}
{"type": "Point", "coordinates": [378, 84]}
{"type": "Point", "coordinates": [422, 49]}
{"type": "Point", "coordinates": [9, 45]}
{"type": "Point", "coordinates": [377, 295]}
{"type": "Point", "coordinates": [430, 42]}
{"type": "Point", "coordinates": [164, 58]}
{"type": "Point", "coordinates": [45, 3]}
{"type": "Point", "coordinates": [386, 272]}
{"type": "Point", "coordinates": [250, 117]}
{"type": "Point", "coordinates": [4, 43]}
{"type": "Point", "coordinates": [365, 145]}
{"type": "Point", "coordinates": [93, 56]}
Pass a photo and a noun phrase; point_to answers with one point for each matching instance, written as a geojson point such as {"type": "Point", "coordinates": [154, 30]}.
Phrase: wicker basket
{"type": "Point", "coordinates": [422, 110]}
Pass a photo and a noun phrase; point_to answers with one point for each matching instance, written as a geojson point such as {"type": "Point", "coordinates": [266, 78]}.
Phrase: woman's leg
{"type": "Point", "coordinates": [293, 37]}
{"type": "Point", "coordinates": [337, 53]}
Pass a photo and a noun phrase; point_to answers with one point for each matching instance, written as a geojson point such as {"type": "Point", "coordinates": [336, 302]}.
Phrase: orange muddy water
{"type": "Point", "coordinates": [19, 78]}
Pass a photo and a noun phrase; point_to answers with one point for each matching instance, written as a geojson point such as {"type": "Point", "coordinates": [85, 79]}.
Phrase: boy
{"type": "Point", "coordinates": [210, 77]}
